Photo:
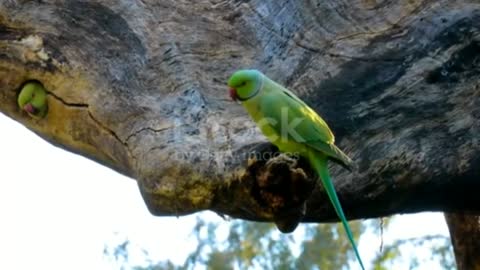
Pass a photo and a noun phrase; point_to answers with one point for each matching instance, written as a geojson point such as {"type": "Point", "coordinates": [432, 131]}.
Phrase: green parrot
{"type": "Point", "coordinates": [33, 99]}
{"type": "Point", "coordinates": [293, 127]}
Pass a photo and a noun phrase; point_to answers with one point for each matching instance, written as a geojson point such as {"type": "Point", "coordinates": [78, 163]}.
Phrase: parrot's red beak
{"type": "Point", "coordinates": [233, 94]}
{"type": "Point", "coordinates": [29, 108]}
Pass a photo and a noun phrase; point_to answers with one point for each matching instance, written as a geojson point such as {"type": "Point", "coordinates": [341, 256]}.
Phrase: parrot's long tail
{"type": "Point", "coordinates": [319, 162]}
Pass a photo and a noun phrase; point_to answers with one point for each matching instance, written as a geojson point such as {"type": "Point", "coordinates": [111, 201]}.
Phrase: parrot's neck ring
{"type": "Point", "coordinates": [260, 87]}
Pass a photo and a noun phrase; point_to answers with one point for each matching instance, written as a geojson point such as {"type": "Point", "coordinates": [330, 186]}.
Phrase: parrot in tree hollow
{"type": "Point", "coordinates": [293, 127]}
{"type": "Point", "coordinates": [33, 99]}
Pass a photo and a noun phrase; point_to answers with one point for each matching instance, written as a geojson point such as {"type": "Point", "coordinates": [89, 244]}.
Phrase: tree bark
{"type": "Point", "coordinates": [465, 233]}
{"type": "Point", "coordinates": [140, 86]}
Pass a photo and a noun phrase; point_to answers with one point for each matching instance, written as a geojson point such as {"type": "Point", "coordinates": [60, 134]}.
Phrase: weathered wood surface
{"type": "Point", "coordinates": [140, 86]}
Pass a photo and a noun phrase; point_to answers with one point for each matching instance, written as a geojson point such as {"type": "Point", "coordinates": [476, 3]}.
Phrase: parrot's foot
{"type": "Point", "coordinates": [282, 187]}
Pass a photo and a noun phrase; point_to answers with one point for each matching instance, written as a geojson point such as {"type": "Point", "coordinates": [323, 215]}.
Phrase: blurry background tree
{"type": "Point", "coordinates": [252, 245]}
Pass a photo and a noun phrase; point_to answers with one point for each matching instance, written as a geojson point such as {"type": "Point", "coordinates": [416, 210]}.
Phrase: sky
{"type": "Point", "coordinates": [58, 210]}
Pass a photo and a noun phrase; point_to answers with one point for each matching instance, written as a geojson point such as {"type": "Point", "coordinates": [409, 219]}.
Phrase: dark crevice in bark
{"type": "Point", "coordinates": [111, 132]}
{"type": "Point", "coordinates": [66, 103]}
{"type": "Point", "coordinates": [137, 132]}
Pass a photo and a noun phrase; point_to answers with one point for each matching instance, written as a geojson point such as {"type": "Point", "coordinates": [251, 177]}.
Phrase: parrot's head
{"type": "Point", "coordinates": [32, 99]}
{"type": "Point", "coordinates": [245, 84]}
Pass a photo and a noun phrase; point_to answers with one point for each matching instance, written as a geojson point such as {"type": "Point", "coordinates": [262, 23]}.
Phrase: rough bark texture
{"type": "Point", "coordinates": [465, 233]}
{"type": "Point", "coordinates": [140, 86]}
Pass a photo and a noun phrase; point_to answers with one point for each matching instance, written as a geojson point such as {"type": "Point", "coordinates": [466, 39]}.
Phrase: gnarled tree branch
{"type": "Point", "coordinates": [140, 87]}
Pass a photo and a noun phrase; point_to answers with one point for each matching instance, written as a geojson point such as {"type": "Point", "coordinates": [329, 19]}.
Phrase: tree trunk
{"type": "Point", "coordinates": [140, 86]}
{"type": "Point", "coordinates": [465, 235]}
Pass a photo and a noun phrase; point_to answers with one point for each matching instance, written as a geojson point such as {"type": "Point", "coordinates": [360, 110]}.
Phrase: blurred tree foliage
{"type": "Point", "coordinates": [253, 245]}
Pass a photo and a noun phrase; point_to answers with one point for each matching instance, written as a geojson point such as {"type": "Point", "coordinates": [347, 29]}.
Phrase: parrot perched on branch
{"type": "Point", "coordinates": [33, 99]}
{"type": "Point", "coordinates": [293, 127]}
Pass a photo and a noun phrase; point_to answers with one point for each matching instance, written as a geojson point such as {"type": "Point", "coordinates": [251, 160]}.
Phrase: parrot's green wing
{"type": "Point", "coordinates": [334, 153]}
{"type": "Point", "coordinates": [306, 126]}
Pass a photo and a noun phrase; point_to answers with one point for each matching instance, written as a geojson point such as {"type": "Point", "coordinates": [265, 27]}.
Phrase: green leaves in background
{"type": "Point", "coordinates": [253, 245]}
